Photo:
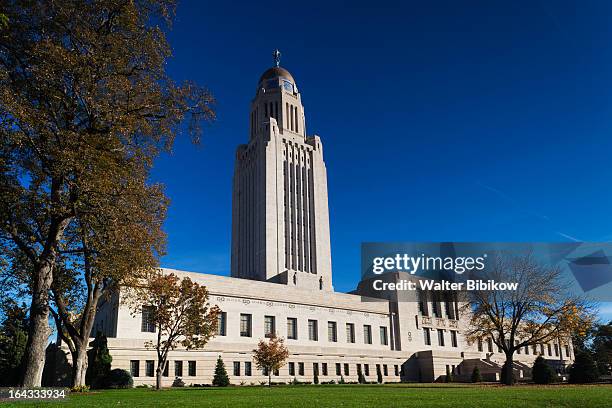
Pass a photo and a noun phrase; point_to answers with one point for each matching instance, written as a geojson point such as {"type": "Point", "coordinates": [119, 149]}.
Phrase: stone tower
{"type": "Point", "coordinates": [280, 217]}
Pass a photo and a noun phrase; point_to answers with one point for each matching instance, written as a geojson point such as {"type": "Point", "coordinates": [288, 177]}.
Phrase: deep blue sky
{"type": "Point", "coordinates": [441, 120]}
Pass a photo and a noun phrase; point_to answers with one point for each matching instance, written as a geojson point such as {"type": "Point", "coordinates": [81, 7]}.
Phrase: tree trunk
{"type": "Point", "coordinates": [269, 378]}
{"type": "Point", "coordinates": [79, 363]}
{"type": "Point", "coordinates": [39, 331]}
{"type": "Point", "coordinates": [158, 376]}
{"type": "Point", "coordinates": [508, 374]}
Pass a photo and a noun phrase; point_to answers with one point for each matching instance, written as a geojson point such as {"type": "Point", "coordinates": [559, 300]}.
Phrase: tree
{"type": "Point", "coordinates": [379, 377]}
{"type": "Point", "coordinates": [84, 100]}
{"type": "Point", "coordinates": [13, 339]}
{"type": "Point", "coordinates": [584, 369]}
{"type": "Point", "coordinates": [270, 355]}
{"type": "Point", "coordinates": [602, 348]}
{"type": "Point", "coordinates": [539, 311]}
{"type": "Point", "coordinates": [180, 313]}
{"type": "Point", "coordinates": [476, 377]}
{"type": "Point", "coordinates": [99, 362]}
{"type": "Point", "coordinates": [542, 373]}
{"type": "Point", "coordinates": [221, 379]}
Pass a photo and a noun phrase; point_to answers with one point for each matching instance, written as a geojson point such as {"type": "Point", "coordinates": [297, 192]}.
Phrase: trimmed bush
{"type": "Point", "coordinates": [178, 382]}
{"type": "Point", "coordinates": [119, 379]}
{"type": "Point", "coordinates": [221, 379]}
{"type": "Point", "coordinates": [584, 370]}
{"type": "Point", "coordinates": [542, 373]}
{"type": "Point", "coordinates": [449, 376]}
{"type": "Point", "coordinates": [362, 379]}
{"type": "Point", "coordinates": [476, 377]}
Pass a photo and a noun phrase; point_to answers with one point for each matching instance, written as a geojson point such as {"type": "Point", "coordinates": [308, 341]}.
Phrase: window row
{"type": "Point", "coordinates": [149, 368]}
{"type": "Point", "coordinates": [427, 331]}
{"type": "Point", "coordinates": [298, 369]}
{"type": "Point", "coordinates": [543, 348]}
{"type": "Point", "coordinates": [270, 329]}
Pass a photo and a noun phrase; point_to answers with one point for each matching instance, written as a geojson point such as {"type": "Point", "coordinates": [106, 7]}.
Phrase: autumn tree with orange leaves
{"type": "Point", "coordinates": [270, 355]}
{"type": "Point", "coordinates": [179, 311]}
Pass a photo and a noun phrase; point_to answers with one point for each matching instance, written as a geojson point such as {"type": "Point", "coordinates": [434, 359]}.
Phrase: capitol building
{"type": "Point", "coordinates": [281, 283]}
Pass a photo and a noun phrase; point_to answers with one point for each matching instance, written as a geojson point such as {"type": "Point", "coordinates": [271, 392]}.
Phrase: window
{"type": "Point", "coordinates": [192, 368]}
{"type": "Point", "coordinates": [346, 369]}
{"type": "Point", "coordinates": [479, 344]}
{"type": "Point", "coordinates": [291, 368]}
{"type": "Point", "coordinates": [378, 372]}
{"type": "Point", "coordinates": [518, 350]}
{"type": "Point", "coordinates": [332, 332]}
{"type": "Point", "coordinates": [367, 334]}
{"type": "Point", "coordinates": [301, 368]}
{"type": "Point", "coordinates": [567, 351]}
{"type": "Point", "coordinates": [237, 368]}
{"type": "Point", "coordinates": [490, 345]}
{"type": "Point", "coordinates": [453, 338]}
{"type": "Point", "coordinates": [221, 324]}
{"type": "Point", "coordinates": [359, 369]}
{"type": "Point", "coordinates": [269, 326]}
{"type": "Point", "coordinates": [385, 370]}
{"type": "Point", "coordinates": [245, 325]}
{"type": "Point", "coordinates": [324, 369]}
{"type": "Point", "coordinates": [534, 349]}
{"type": "Point", "coordinates": [264, 371]}
{"type": "Point", "coordinates": [435, 306]}
{"type": "Point", "coordinates": [549, 349]}
{"type": "Point", "coordinates": [247, 368]}
{"type": "Point", "coordinates": [292, 328]}
{"type": "Point", "coordinates": [556, 350]}
{"type": "Point", "coordinates": [441, 337]}
{"type": "Point", "coordinates": [178, 368]}
{"type": "Point", "coordinates": [135, 368]}
{"type": "Point", "coordinates": [313, 332]}
{"type": "Point", "coordinates": [384, 340]}
{"type": "Point", "coordinates": [315, 369]}
{"type": "Point", "coordinates": [366, 369]}
{"type": "Point", "coordinates": [427, 335]}
{"type": "Point", "coordinates": [350, 333]}
{"type": "Point", "coordinates": [276, 372]}
{"type": "Point", "coordinates": [338, 369]}
{"type": "Point", "coordinates": [396, 370]}
{"type": "Point", "coordinates": [147, 324]}
{"type": "Point", "coordinates": [149, 368]}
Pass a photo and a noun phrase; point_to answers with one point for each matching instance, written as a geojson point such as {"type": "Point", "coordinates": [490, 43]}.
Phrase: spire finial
{"type": "Point", "coordinates": [277, 56]}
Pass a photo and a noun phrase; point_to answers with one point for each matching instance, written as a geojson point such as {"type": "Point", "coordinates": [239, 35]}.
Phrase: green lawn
{"type": "Point", "coordinates": [389, 395]}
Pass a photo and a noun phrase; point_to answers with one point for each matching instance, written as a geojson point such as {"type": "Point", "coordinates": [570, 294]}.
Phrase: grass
{"type": "Point", "coordinates": [389, 395]}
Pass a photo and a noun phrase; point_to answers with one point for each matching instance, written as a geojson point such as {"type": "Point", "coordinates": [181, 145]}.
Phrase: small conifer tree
{"type": "Point", "coordinates": [221, 379]}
